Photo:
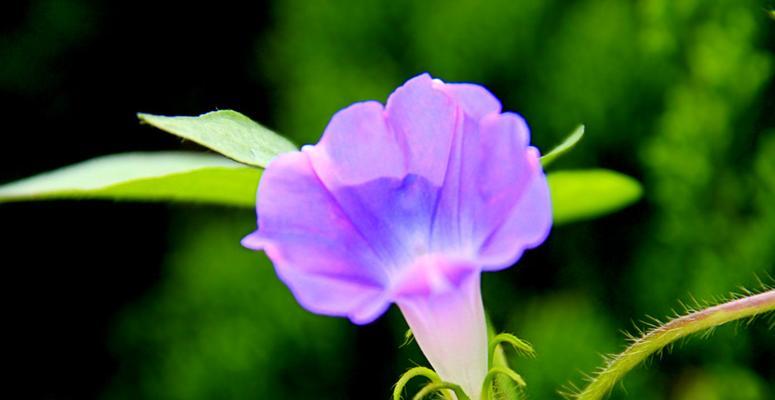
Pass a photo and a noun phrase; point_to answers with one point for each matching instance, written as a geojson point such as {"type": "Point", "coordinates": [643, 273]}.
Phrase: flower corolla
{"type": "Point", "coordinates": [408, 203]}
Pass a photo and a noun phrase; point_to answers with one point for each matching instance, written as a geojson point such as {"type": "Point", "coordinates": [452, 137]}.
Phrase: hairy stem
{"type": "Point", "coordinates": [678, 328]}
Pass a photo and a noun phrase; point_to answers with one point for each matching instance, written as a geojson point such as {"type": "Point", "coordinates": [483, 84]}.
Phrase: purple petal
{"type": "Point", "coordinates": [315, 247]}
{"type": "Point", "coordinates": [403, 202]}
{"type": "Point", "coordinates": [475, 100]}
{"type": "Point", "coordinates": [423, 118]}
{"type": "Point", "coordinates": [357, 147]}
{"type": "Point", "coordinates": [511, 208]}
{"type": "Point", "coordinates": [495, 199]}
{"type": "Point", "coordinates": [525, 226]}
{"type": "Point", "coordinates": [336, 295]}
{"type": "Point", "coordinates": [394, 215]}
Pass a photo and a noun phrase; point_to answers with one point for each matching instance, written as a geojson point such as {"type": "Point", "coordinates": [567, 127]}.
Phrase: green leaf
{"type": "Point", "coordinates": [212, 179]}
{"type": "Point", "coordinates": [563, 147]}
{"type": "Point", "coordinates": [160, 176]}
{"type": "Point", "coordinates": [227, 132]}
{"type": "Point", "coordinates": [586, 194]}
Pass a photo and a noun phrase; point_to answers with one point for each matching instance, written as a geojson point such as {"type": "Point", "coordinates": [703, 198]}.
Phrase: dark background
{"type": "Point", "coordinates": [120, 300]}
{"type": "Point", "coordinates": [74, 73]}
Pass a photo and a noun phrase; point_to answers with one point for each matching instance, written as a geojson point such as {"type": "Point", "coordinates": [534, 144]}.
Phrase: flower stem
{"type": "Point", "coordinates": [678, 328]}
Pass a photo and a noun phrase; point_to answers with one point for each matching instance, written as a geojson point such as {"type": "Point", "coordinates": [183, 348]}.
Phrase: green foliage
{"type": "Point", "coordinates": [716, 383]}
{"type": "Point", "coordinates": [204, 178]}
{"type": "Point", "coordinates": [210, 179]}
{"type": "Point", "coordinates": [221, 315]}
{"type": "Point", "coordinates": [227, 132]}
{"type": "Point", "coordinates": [159, 176]}
{"type": "Point", "coordinates": [584, 194]}
{"type": "Point", "coordinates": [713, 220]}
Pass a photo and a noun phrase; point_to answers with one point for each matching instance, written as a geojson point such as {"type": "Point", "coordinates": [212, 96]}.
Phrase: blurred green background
{"type": "Point", "coordinates": [679, 94]}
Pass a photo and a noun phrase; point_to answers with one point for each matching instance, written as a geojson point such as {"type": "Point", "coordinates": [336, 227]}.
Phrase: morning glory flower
{"type": "Point", "coordinates": [408, 203]}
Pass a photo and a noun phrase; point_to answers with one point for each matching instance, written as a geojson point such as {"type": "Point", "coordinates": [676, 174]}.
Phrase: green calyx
{"type": "Point", "coordinates": [490, 380]}
{"type": "Point", "coordinates": [522, 347]}
{"type": "Point", "coordinates": [500, 379]}
{"type": "Point", "coordinates": [435, 385]}
{"type": "Point", "coordinates": [502, 382]}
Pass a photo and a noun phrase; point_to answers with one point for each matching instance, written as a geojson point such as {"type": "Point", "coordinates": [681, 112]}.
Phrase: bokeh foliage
{"type": "Point", "coordinates": [221, 325]}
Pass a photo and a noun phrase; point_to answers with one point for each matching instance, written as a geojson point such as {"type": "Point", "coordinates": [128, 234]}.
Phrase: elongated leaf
{"type": "Point", "coordinates": [563, 147]}
{"type": "Point", "coordinates": [161, 176]}
{"type": "Point", "coordinates": [212, 179]}
{"type": "Point", "coordinates": [227, 132]}
{"type": "Point", "coordinates": [586, 194]}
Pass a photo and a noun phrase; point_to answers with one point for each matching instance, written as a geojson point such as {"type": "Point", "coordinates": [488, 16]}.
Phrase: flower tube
{"type": "Point", "coordinates": [408, 203]}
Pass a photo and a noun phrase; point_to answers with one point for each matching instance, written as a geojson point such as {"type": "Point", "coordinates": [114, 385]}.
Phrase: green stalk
{"type": "Point", "coordinates": [678, 328]}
